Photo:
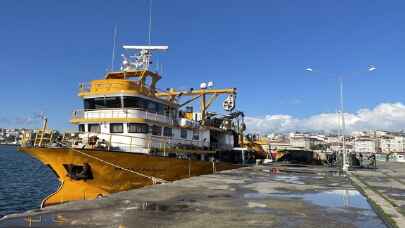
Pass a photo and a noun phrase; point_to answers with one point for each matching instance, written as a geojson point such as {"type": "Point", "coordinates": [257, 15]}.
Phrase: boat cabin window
{"type": "Point", "coordinates": [127, 102]}
{"type": "Point", "coordinates": [89, 104]}
{"type": "Point", "coordinates": [134, 102]}
{"type": "Point", "coordinates": [146, 105]}
{"type": "Point", "coordinates": [156, 130]}
{"type": "Point", "coordinates": [116, 128]}
{"type": "Point", "coordinates": [196, 135]}
{"type": "Point", "coordinates": [152, 107]}
{"type": "Point", "coordinates": [138, 128]}
{"type": "Point", "coordinates": [112, 102]}
{"type": "Point", "coordinates": [102, 103]}
{"type": "Point", "coordinates": [183, 133]}
{"type": "Point", "coordinates": [81, 128]}
{"type": "Point", "coordinates": [160, 109]}
{"type": "Point", "coordinates": [94, 128]}
{"type": "Point", "coordinates": [167, 131]}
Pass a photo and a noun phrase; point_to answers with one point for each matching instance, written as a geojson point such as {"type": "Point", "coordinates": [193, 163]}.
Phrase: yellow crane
{"type": "Point", "coordinates": [203, 94]}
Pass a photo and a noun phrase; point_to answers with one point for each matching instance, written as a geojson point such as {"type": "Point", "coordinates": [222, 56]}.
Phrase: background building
{"type": "Point", "coordinates": [364, 145]}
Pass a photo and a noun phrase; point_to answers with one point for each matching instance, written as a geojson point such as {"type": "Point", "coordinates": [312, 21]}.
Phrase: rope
{"type": "Point", "coordinates": [155, 180]}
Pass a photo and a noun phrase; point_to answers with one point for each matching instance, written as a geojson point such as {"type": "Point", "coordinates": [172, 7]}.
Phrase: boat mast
{"type": "Point", "coordinates": [114, 47]}
{"type": "Point", "coordinates": [150, 23]}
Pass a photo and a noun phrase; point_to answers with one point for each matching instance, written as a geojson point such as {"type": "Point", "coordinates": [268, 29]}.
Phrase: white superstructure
{"type": "Point", "coordinates": [127, 115]}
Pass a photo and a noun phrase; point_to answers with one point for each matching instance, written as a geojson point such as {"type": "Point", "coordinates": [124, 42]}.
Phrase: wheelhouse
{"type": "Point", "coordinates": [125, 112]}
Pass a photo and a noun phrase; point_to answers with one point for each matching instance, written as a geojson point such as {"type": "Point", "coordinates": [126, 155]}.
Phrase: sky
{"type": "Point", "coordinates": [260, 47]}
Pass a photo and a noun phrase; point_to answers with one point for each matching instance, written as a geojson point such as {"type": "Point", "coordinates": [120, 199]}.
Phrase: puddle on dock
{"type": "Point", "coordinates": [349, 204]}
{"type": "Point", "coordinates": [287, 171]}
{"type": "Point", "coordinates": [288, 179]}
{"type": "Point", "coordinates": [331, 199]}
{"type": "Point", "coordinates": [397, 194]}
{"type": "Point", "coordinates": [156, 207]}
{"type": "Point", "coordinates": [336, 199]}
{"type": "Point", "coordinates": [59, 219]}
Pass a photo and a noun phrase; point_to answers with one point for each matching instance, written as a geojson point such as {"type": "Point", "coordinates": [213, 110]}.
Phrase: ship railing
{"type": "Point", "coordinates": [84, 87]}
{"type": "Point", "coordinates": [125, 113]}
{"type": "Point", "coordinates": [139, 144]}
{"type": "Point", "coordinates": [78, 114]}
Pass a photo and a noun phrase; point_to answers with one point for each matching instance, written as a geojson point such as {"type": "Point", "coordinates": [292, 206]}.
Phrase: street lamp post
{"type": "Point", "coordinates": [345, 162]}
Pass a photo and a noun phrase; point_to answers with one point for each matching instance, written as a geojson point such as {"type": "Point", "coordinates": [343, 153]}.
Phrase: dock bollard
{"type": "Point", "coordinates": [212, 159]}
{"type": "Point", "coordinates": [259, 161]}
{"type": "Point", "coordinates": [213, 167]}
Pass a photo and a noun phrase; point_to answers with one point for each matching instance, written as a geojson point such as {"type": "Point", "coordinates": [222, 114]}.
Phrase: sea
{"type": "Point", "coordinates": [24, 181]}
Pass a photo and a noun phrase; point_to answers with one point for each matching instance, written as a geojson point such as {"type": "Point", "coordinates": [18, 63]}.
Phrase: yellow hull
{"type": "Point", "coordinates": [113, 171]}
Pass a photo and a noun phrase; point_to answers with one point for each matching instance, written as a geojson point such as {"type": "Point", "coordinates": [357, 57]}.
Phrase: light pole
{"type": "Point", "coordinates": [345, 162]}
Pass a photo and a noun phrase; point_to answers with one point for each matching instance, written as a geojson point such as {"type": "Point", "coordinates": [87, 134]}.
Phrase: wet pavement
{"type": "Point", "coordinates": [262, 196]}
{"type": "Point", "coordinates": [388, 183]}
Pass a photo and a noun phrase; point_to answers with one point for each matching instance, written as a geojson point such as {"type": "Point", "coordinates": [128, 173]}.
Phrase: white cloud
{"type": "Point", "coordinates": [21, 121]}
{"type": "Point", "coordinates": [385, 116]}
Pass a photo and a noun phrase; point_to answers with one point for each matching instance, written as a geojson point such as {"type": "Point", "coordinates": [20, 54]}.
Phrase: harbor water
{"type": "Point", "coordinates": [24, 181]}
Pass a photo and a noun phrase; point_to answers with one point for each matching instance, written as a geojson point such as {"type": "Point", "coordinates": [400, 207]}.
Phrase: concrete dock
{"type": "Point", "coordinates": [385, 187]}
{"type": "Point", "coordinates": [260, 196]}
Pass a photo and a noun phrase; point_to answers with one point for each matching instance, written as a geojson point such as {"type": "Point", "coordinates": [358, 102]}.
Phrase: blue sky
{"type": "Point", "coordinates": [261, 47]}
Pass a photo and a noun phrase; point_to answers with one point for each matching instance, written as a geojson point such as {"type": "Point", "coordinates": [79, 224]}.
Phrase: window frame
{"type": "Point", "coordinates": [97, 103]}
{"type": "Point", "coordinates": [116, 124]}
{"type": "Point", "coordinates": [112, 102]}
{"type": "Point", "coordinates": [132, 102]}
{"type": "Point", "coordinates": [196, 135]}
{"type": "Point", "coordinates": [145, 130]}
{"type": "Point", "coordinates": [89, 126]}
{"type": "Point", "coordinates": [165, 132]}
{"type": "Point", "coordinates": [89, 104]}
{"type": "Point", "coordinates": [182, 134]}
{"type": "Point", "coordinates": [153, 128]}
{"type": "Point", "coordinates": [82, 127]}
{"type": "Point", "coordinates": [151, 106]}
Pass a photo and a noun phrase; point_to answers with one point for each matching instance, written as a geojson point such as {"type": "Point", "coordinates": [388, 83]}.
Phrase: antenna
{"type": "Point", "coordinates": [142, 60]}
{"type": "Point", "coordinates": [113, 50]}
{"type": "Point", "coordinates": [145, 47]}
{"type": "Point", "coordinates": [161, 68]}
{"type": "Point", "coordinates": [150, 22]}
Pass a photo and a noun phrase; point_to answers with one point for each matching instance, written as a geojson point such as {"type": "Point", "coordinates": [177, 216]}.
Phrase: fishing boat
{"type": "Point", "coordinates": [132, 134]}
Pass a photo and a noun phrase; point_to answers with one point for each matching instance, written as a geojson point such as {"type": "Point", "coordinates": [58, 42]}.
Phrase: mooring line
{"type": "Point", "coordinates": [155, 180]}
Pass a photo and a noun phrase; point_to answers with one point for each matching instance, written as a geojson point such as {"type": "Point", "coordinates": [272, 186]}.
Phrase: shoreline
{"type": "Point", "coordinates": [9, 144]}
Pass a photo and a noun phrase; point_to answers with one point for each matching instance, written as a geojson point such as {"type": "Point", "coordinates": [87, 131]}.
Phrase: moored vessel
{"type": "Point", "coordinates": [131, 134]}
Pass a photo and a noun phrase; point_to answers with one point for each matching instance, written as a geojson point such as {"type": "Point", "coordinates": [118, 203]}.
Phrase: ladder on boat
{"type": "Point", "coordinates": [43, 136]}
